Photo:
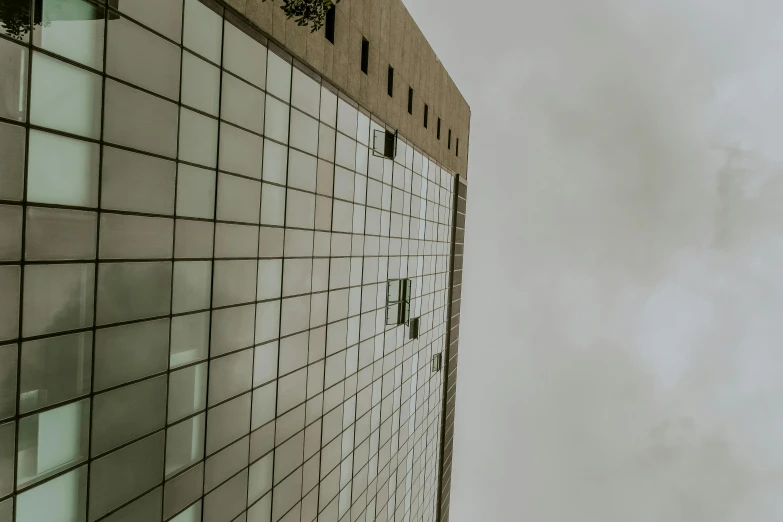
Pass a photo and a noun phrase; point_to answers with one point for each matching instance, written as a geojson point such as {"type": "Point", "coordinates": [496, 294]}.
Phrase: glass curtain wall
{"type": "Point", "coordinates": [195, 242]}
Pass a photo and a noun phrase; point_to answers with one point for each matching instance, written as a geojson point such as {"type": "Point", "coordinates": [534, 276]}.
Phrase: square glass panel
{"type": "Point", "coordinates": [60, 234]}
{"type": "Point", "coordinates": [184, 444]}
{"type": "Point", "coordinates": [62, 170]}
{"type": "Point", "coordinates": [12, 153]}
{"type": "Point", "coordinates": [128, 291]}
{"type": "Point", "coordinates": [8, 356]}
{"type": "Point", "coordinates": [10, 232]}
{"type": "Point", "coordinates": [239, 199]}
{"type": "Point", "coordinates": [139, 120]}
{"type": "Point", "coordinates": [52, 441]}
{"type": "Point", "coordinates": [241, 152]}
{"type": "Point", "coordinates": [65, 97]}
{"type": "Point", "coordinates": [163, 16]}
{"type": "Point", "coordinates": [73, 29]}
{"type": "Point", "coordinates": [203, 30]}
{"type": "Point", "coordinates": [63, 498]}
{"type": "Point", "coordinates": [187, 392]}
{"type": "Point", "coordinates": [242, 104]}
{"type": "Point", "coordinates": [142, 58]}
{"type": "Point", "coordinates": [127, 413]}
{"type": "Point", "coordinates": [54, 370]}
{"type": "Point", "coordinates": [276, 120]}
{"type": "Point", "coordinates": [58, 298]}
{"type": "Point", "coordinates": [195, 192]}
{"type": "Point", "coordinates": [9, 301]}
{"type": "Point", "coordinates": [189, 338]}
{"type": "Point", "coordinates": [137, 182]}
{"type": "Point", "coordinates": [130, 352]}
{"type": "Point", "coordinates": [13, 90]}
{"type": "Point", "coordinates": [244, 56]}
{"type": "Point", "coordinates": [278, 77]}
{"type": "Point", "coordinates": [198, 138]}
{"type": "Point", "coordinates": [200, 83]}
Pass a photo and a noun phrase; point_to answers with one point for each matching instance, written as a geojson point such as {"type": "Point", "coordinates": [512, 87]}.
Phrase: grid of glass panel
{"type": "Point", "coordinates": [195, 239]}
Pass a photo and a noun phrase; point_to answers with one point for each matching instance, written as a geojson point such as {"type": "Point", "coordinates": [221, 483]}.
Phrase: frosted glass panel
{"type": "Point", "coordinates": [65, 97]}
{"type": "Point", "coordinates": [79, 37]}
{"type": "Point", "coordinates": [200, 83]}
{"type": "Point", "coordinates": [51, 441]}
{"type": "Point", "coordinates": [192, 514]}
{"type": "Point", "coordinates": [62, 170]}
{"type": "Point", "coordinates": [60, 500]}
{"type": "Point", "coordinates": [278, 77]}
{"type": "Point", "coordinates": [203, 30]}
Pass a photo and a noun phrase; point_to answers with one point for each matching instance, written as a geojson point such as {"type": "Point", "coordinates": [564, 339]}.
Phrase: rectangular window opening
{"type": "Point", "coordinates": [449, 139]}
{"type": "Point", "coordinates": [410, 100]}
{"type": "Point", "coordinates": [365, 55]}
{"type": "Point", "coordinates": [384, 144]}
{"type": "Point", "coordinates": [438, 128]}
{"type": "Point", "coordinates": [426, 114]}
{"type": "Point", "coordinates": [413, 328]}
{"type": "Point", "coordinates": [457, 151]}
{"type": "Point", "coordinates": [329, 27]}
{"type": "Point", "coordinates": [398, 302]}
{"type": "Point", "coordinates": [390, 81]}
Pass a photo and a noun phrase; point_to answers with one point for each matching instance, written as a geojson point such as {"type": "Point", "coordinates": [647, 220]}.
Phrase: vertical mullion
{"type": "Point", "coordinates": [212, 271]}
{"type": "Point", "coordinates": [282, 277]}
{"type": "Point", "coordinates": [97, 259]}
{"type": "Point", "coordinates": [173, 261]}
{"type": "Point", "coordinates": [23, 203]}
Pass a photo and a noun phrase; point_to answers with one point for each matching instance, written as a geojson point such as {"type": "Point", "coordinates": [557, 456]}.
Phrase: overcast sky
{"type": "Point", "coordinates": [621, 350]}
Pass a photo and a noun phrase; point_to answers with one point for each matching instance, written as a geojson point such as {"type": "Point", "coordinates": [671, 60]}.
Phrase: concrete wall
{"type": "Point", "coordinates": [395, 40]}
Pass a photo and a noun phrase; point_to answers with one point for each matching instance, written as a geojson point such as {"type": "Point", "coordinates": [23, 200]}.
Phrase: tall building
{"type": "Point", "coordinates": [230, 262]}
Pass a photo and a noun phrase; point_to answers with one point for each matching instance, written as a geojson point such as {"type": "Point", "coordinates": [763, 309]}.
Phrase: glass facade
{"type": "Point", "coordinates": [195, 241]}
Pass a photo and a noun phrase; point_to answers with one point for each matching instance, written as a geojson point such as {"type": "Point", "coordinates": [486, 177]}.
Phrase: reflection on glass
{"type": "Point", "coordinates": [181, 491]}
{"type": "Point", "coordinates": [71, 28]}
{"type": "Point", "coordinates": [137, 182]}
{"type": "Point", "coordinates": [184, 444]}
{"type": "Point", "coordinates": [7, 380]}
{"type": "Point", "coordinates": [124, 414]}
{"type": "Point", "coordinates": [62, 170]}
{"type": "Point", "coordinates": [120, 476]}
{"type": "Point", "coordinates": [10, 232]}
{"type": "Point", "coordinates": [65, 97]}
{"type": "Point", "coordinates": [192, 514]}
{"type": "Point", "coordinates": [62, 499]}
{"type": "Point", "coordinates": [187, 391]}
{"type": "Point", "coordinates": [7, 433]}
{"type": "Point", "coordinates": [189, 338]}
{"type": "Point", "coordinates": [57, 298]}
{"type": "Point", "coordinates": [9, 301]}
{"type": "Point", "coordinates": [128, 291]}
{"type": "Point", "coordinates": [12, 139]}
{"type": "Point", "coordinates": [13, 81]}
{"type": "Point", "coordinates": [54, 370]}
{"type": "Point", "coordinates": [60, 234]}
{"type": "Point", "coordinates": [129, 352]}
{"type": "Point", "coordinates": [52, 441]}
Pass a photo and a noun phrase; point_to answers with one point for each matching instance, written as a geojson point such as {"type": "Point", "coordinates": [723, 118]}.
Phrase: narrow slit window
{"type": "Point", "coordinates": [410, 100]}
{"type": "Point", "coordinates": [390, 81]}
{"type": "Point", "coordinates": [329, 27]}
{"type": "Point", "coordinates": [457, 151]}
{"type": "Point", "coordinates": [426, 114]}
{"type": "Point", "coordinates": [438, 128]}
{"type": "Point", "coordinates": [449, 139]}
{"type": "Point", "coordinates": [365, 55]}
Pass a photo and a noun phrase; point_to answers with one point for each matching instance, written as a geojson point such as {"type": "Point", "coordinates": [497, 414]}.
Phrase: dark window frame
{"type": "Point", "coordinates": [365, 56]}
{"type": "Point", "coordinates": [410, 100]}
{"type": "Point", "coordinates": [438, 133]}
{"type": "Point", "coordinates": [329, 25]}
{"type": "Point", "coordinates": [390, 82]}
{"type": "Point", "coordinates": [426, 114]}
